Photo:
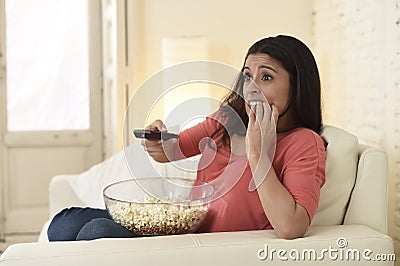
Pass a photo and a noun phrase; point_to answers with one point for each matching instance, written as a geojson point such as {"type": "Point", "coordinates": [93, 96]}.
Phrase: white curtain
{"type": "Point", "coordinates": [47, 65]}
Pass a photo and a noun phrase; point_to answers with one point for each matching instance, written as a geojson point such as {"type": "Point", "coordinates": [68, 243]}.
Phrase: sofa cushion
{"type": "Point", "coordinates": [341, 168]}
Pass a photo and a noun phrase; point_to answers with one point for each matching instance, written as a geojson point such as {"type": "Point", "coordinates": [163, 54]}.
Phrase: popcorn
{"type": "Point", "coordinates": [154, 217]}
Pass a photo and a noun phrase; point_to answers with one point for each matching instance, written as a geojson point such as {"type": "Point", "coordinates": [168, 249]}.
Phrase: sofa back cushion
{"type": "Point", "coordinates": [341, 169]}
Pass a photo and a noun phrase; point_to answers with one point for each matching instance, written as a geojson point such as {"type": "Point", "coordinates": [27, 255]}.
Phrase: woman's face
{"type": "Point", "coordinates": [271, 82]}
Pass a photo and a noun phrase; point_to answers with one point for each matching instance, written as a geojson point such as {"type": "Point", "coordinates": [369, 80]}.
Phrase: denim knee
{"type": "Point", "coordinates": [66, 225]}
{"type": "Point", "coordinates": [103, 228]}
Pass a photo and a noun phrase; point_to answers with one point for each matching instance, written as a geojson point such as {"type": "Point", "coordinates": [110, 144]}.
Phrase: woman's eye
{"type": "Point", "coordinates": [247, 77]}
{"type": "Point", "coordinates": [266, 77]}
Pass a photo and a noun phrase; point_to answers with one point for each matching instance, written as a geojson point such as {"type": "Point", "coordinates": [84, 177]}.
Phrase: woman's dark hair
{"type": "Point", "coordinates": [305, 88]}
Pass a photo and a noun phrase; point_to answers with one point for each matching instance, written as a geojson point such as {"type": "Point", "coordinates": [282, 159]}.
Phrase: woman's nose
{"type": "Point", "coordinates": [253, 88]}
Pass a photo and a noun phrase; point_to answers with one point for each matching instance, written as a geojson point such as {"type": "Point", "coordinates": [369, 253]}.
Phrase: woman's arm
{"type": "Point", "coordinates": [288, 218]}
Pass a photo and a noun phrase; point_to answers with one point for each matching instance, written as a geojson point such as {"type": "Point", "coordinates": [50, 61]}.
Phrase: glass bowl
{"type": "Point", "coordinates": [158, 206]}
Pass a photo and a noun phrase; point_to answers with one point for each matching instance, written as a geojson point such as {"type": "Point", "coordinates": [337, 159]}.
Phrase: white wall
{"type": "Point", "coordinates": [229, 26]}
{"type": "Point", "coordinates": [357, 45]}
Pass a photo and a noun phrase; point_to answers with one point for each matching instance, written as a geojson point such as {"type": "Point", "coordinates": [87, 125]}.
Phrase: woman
{"type": "Point", "coordinates": [286, 198]}
{"type": "Point", "coordinates": [286, 75]}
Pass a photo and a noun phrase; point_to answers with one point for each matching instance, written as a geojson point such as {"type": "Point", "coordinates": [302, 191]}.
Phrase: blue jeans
{"type": "Point", "coordinates": [85, 224]}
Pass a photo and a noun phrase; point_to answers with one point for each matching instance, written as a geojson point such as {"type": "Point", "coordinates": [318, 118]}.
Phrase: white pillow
{"type": "Point", "coordinates": [89, 185]}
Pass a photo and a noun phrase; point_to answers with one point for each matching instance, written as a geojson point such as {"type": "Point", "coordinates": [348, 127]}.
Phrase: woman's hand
{"type": "Point", "coordinates": [261, 140]}
{"type": "Point", "coordinates": [161, 151]}
{"type": "Point", "coordinates": [261, 129]}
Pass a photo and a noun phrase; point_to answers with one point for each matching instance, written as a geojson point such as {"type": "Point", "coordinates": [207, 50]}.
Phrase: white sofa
{"type": "Point", "coordinates": [351, 220]}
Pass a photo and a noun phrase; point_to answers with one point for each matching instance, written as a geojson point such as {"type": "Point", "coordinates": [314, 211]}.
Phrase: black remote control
{"type": "Point", "coordinates": [153, 134]}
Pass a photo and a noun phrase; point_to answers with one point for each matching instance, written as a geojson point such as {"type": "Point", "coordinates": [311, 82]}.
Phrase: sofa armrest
{"type": "Point", "coordinates": [368, 202]}
{"type": "Point", "coordinates": [62, 195]}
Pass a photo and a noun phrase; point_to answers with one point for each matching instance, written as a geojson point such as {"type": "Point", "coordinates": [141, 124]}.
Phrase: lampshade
{"type": "Point", "coordinates": [182, 49]}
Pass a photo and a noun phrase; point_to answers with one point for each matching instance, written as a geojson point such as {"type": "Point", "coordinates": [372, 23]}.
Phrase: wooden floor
{"type": "Point", "coordinates": [16, 238]}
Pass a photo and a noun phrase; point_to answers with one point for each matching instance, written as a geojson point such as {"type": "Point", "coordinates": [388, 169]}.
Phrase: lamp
{"type": "Point", "coordinates": [176, 50]}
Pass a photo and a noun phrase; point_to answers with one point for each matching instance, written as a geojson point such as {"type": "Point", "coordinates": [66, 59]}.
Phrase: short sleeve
{"type": "Point", "coordinates": [304, 171]}
{"type": "Point", "coordinates": [190, 139]}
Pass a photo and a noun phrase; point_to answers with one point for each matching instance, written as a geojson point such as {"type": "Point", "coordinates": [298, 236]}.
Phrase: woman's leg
{"type": "Point", "coordinates": [103, 228]}
{"type": "Point", "coordinates": [66, 225]}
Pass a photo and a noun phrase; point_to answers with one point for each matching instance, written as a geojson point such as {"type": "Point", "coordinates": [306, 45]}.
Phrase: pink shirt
{"type": "Point", "coordinates": [299, 163]}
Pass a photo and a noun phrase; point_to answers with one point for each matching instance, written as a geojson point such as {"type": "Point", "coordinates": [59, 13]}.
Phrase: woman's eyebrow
{"type": "Point", "coordinates": [268, 67]}
{"type": "Point", "coordinates": [262, 66]}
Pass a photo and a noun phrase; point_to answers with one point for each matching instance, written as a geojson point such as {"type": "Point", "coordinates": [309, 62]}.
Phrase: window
{"type": "Point", "coordinates": [47, 58]}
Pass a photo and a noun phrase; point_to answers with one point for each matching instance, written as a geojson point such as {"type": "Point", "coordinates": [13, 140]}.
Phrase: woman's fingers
{"type": "Point", "coordinates": [157, 125]}
{"type": "Point", "coordinates": [266, 113]}
{"type": "Point", "coordinates": [259, 112]}
{"type": "Point", "coordinates": [262, 116]}
{"type": "Point", "coordinates": [151, 144]}
{"type": "Point", "coordinates": [251, 114]}
{"type": "Point", "coordinates": [275, 113]}
{"type": "Point", "coordinates": [263, 113]}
